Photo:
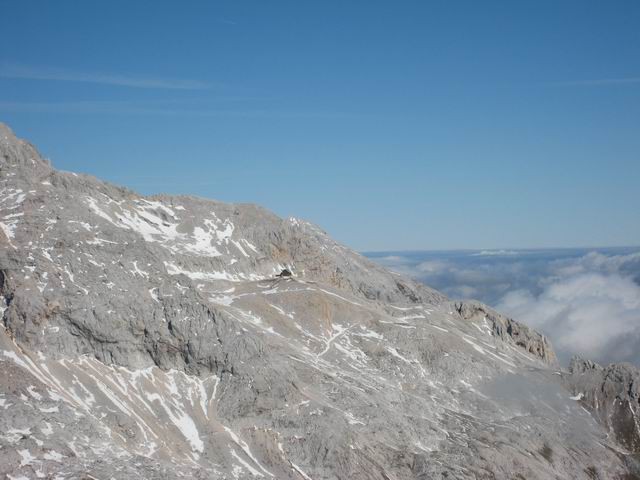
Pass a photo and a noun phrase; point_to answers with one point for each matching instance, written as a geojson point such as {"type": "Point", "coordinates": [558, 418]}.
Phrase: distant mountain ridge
{"type": "Point", "coordinates": [151, 337]}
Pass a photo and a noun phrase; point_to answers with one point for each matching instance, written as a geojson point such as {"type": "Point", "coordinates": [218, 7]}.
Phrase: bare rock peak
{"type": "Point", "coordinates": [19, 157]}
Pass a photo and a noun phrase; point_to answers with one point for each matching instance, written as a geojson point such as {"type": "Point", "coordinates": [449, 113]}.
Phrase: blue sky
{"type": "Point", "coordinates": [394, 125]}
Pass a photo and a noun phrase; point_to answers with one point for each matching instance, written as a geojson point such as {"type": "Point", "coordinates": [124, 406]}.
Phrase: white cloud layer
{"type": "Point", "coordinates": [587, 303]}
{"type": "Point", "coordinates": [587, 306]}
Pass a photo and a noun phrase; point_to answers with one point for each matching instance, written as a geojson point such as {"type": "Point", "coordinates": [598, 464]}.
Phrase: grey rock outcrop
{"type": "Point", "coordinates": [509, 330]}
{"type": "Point", "coordinates": [150, 337]}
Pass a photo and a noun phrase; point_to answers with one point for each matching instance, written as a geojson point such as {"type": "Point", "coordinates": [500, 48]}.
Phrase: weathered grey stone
{"type": "Point", "coordinates": [612, 395]}
{"type": "Point", "coordinates": [509, 330]}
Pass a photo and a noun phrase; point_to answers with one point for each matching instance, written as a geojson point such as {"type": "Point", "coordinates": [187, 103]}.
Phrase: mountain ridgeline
{"type": "Point", "coordinates": [155, 337]}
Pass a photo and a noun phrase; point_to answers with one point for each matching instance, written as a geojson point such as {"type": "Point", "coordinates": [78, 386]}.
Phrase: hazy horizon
{"type": "Point", "coordinates": [495, 250]}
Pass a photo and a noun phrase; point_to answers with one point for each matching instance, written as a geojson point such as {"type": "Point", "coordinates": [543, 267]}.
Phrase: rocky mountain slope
{"type": "Point", "coordinates": [612, 394]}
{"type": "Point", "coordinates": [151, 337]}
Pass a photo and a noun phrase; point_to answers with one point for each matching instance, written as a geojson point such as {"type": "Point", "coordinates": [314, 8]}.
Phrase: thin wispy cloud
{"type": "Point", "coordinates": [166, 108]}
{"type": "Point", "coordinates": [90, 107]}
{"type": "Point", "coordinates": [114, 79]}
{"type": "Point", "coordinates": [601, 82]}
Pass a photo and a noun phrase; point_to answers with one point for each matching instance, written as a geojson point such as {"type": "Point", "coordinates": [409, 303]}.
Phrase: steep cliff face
{"type": "Point", "coordinates": [153, 337]}
{"type": "Point", "coordinates": [508, 329]}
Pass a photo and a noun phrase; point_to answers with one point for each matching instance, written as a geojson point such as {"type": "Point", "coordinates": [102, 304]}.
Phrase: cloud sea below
{"type": "Point", "coordinates": [587, 300]}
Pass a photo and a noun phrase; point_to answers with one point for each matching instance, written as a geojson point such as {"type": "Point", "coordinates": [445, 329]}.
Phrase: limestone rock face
{"type": "Point", "coordinates": [509, 330]}
{"type": "Point", "coordinates": [154, 337]}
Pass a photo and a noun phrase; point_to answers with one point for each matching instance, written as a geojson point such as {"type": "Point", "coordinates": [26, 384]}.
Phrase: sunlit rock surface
{"type": "Point", "coordinates": [152, 338]}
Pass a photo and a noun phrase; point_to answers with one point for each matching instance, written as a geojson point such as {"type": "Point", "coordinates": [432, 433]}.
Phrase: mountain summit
{"type": "Point", "coordinates": [158, 338]}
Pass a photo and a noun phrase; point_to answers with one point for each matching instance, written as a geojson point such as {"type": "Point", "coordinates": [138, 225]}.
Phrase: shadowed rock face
{"type": "Point", "coordinates": [151, 337]}
{"type": "Point", "coordinates": [612, 395]}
